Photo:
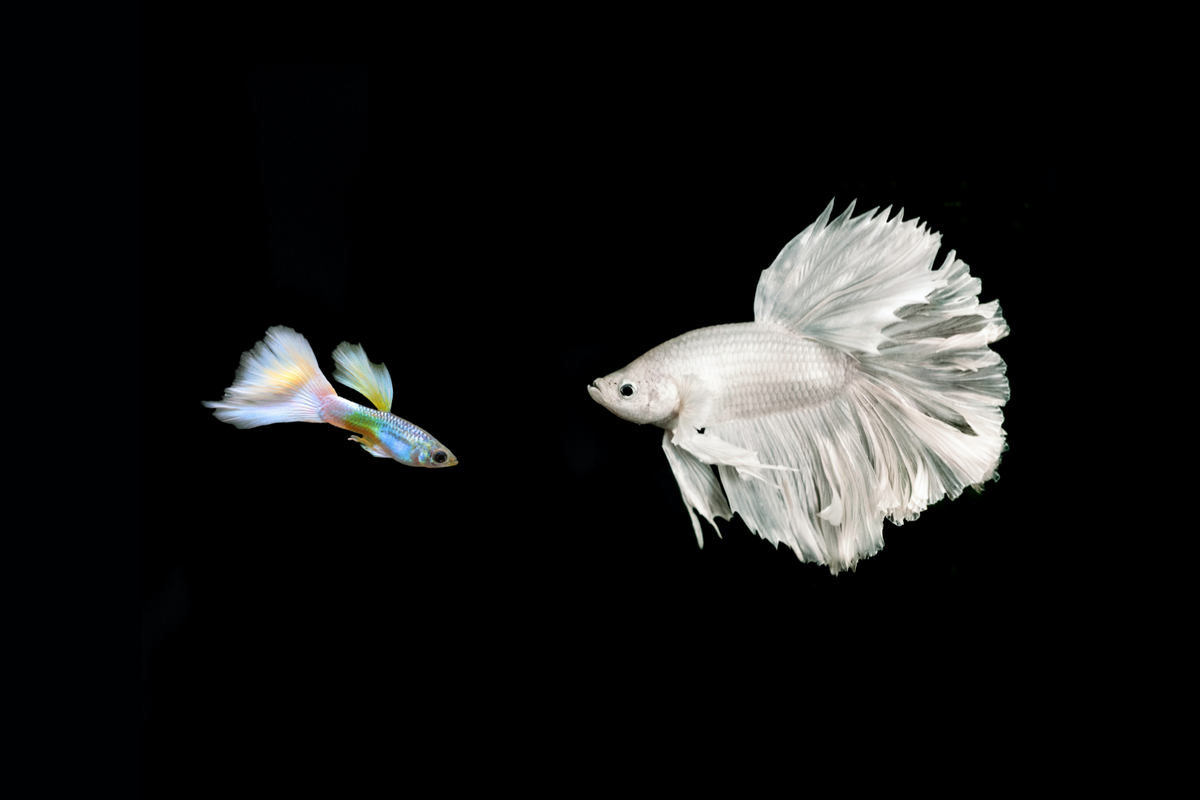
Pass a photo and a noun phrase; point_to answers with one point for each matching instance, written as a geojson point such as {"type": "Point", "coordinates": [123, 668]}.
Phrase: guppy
{"type": "Point", "coordinates": [279, 381]}
{"type": "Point", "coordinates": [865, 388]}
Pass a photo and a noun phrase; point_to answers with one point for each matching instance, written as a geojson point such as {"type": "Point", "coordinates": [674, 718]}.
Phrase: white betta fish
{"type": "Point", "coordinates": [864, 388]}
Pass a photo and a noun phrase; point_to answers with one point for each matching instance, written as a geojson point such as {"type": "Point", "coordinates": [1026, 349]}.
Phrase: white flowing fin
{"type": "Point", "coordinates": [858, 458]}
{"type": "Point", "coordinates": [708, 448]}
{"type": "Point", "coordinates": [841, 282]}
{"type": "Point", "coordinates": [278, 380]}
{"type": "Point", "coordinates": [935, 390]}
{"type": "Point", "coordinates": [372, 381]}
{"type": "Point", "coordinates": [695, 404]}
{"type": "Point", "coordinates": [920, 419]}
{"type": "Point", "coordinates": [827, 507]}
{"type": "Point", "coordinates": [699, 486]}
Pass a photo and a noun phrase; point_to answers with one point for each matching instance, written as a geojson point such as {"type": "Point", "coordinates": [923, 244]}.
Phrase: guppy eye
{"type": "Point", "coordinates": [439, 457]}
{"type": "Point", "coordinates": [628, 389]}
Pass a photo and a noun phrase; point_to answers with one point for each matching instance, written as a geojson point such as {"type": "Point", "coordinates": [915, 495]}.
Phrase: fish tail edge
{"type": "Point", "coordinates": [278, 380]}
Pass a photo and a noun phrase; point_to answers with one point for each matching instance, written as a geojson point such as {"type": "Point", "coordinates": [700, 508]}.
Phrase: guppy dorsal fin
{"type": "Point", "coordinates": [371, 446]}
{"type": "Point", "coordinates": [372, 381]}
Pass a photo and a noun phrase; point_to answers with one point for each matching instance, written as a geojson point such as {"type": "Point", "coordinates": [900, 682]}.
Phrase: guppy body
{"type": "Point", "coordinates": [279, 381]}
{"type": "Point", "coordinates": [383, 434]}
{"type": "Point", "coordinates": [754, 369]}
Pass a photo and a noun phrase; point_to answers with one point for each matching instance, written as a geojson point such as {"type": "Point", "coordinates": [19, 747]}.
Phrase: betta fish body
{"type": "Point", "coordinates": [279, 381]}
{"type": "Point", "coordinates": [864, 388]}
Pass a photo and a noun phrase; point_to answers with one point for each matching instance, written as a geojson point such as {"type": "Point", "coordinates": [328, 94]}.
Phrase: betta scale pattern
{"type": "Point", "coordinates": [279, 381]}
{"type": "Point", "coordinates": [865, 388]}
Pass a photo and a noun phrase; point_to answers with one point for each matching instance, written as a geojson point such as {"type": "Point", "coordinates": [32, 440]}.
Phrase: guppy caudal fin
{"type": "Point", "coordinates": [277, 381]}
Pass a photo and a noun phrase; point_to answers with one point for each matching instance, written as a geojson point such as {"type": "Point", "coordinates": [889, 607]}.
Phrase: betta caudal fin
{"type": "Point", "coordinates": [278, 380]}
{"type": "Point", "coordinates": [919, 420]}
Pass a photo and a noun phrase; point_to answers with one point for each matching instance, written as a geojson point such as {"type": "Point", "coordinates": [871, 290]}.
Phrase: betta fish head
{"type": "Point", "coordinates": [641, 393]}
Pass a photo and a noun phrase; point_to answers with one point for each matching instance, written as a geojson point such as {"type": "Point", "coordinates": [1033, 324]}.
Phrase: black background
{"type": "Point", "coordinates": [500, 234]}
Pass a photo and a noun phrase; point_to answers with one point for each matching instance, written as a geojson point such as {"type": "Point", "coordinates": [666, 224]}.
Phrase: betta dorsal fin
{"type": "Point", "coordinates": [841, 282]}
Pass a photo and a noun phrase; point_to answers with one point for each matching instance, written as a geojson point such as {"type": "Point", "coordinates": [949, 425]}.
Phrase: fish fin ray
{"type": "Point", "coordinates": [699, 486]}
{"type": "Point", "coordinates": [825, 505]}
{"type": "Point", "coordinates": [933, 394]}
{"type": "Point", "coordinates": [278, 380]}
{"type": "Point", "coordinates": [841, 282]}
{"type": "Point", "coordinates": [708, 448]}
{"type": "Point", "coordinates": [371, 446]}
{"type": "Point", "coordinates": [695, 406]}
{"type": "Point", "coordinates": [920, 420]}
{"type": "Point", "coordinates": [866, 455]}
{"type": "Point", "coordinates": [354, 369]}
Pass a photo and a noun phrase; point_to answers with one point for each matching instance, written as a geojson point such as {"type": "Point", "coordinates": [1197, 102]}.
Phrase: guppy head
{"type": "Point", "coordinates": [640, 393]}
{"type": "Point", "coordinates": [434, 455]}
{"type": "Point", "coordinates": [419, 450]}
{"type": "Point", "coordinates": [438, 456]}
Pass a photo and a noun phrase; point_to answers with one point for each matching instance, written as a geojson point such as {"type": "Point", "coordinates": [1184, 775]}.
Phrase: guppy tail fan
{"type": "Point", "coordinates": [919, 421]}
{"type": "Point", "coordinates": [354, 369]}
{"type": "Point", "coordinates": [277, 381]}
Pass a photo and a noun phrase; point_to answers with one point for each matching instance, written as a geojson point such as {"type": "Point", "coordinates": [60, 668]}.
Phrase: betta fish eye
{"type": "Point", "coordinates": [439, 457]}
{"type": "Point", "coordinates": [628, 389]}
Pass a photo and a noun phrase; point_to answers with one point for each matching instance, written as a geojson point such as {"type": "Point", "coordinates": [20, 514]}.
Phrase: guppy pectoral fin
{"type": "Point", "coordinates": [371, 447]}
